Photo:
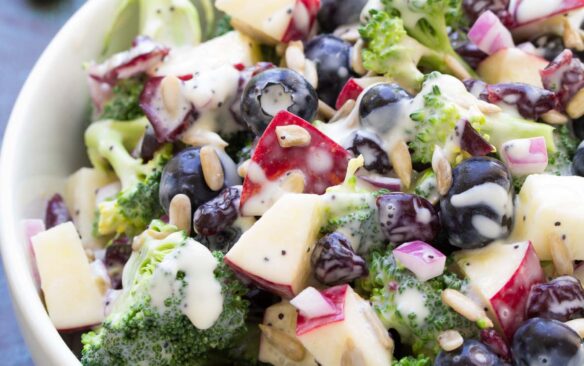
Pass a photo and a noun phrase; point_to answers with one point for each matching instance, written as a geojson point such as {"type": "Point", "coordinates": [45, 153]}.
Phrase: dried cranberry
{"type": "Point", "coordinates": [116, 255]}
{"type": "Point", "coordinates": [335, 262]}
{"type": "Point", "coordinates": [561, 299]}
{"type": "Point", "coordinates": [564, 76]}
{"type": "Point", "coordinates": [217, 214]}
{"type": "Point", "coordinates": [530, 101]}
{"type": "Point", "coordinates": [496, 343]}
{"type": "Point", "coordinates": [56, 212]}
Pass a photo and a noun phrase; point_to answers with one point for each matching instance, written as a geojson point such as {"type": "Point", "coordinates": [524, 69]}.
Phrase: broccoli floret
{"type": "Point", "coordinates": [223, 26]}
{"type": "Point", "coordinates": [413, 361]}
{"type": "Point", "coordinates": [143, 331]}
{"type": "Point", "coordinates": [428, 22]}
{"type": "Point", "coordinates": [426, 186]}
{"type": "Point", "coordinates": [444, 102]}
{"type": "Point", "coordinates": [390, 51]}
{"type": "Point", "coordinates": [393, 290]}
{"type": "Point", "coordinates": [124, 103]}
{"type": "Point", "coordinates": [352, 211]}
{"type": "Point", "coordinates": [108, 144]}
{"type": "Point", "coordinates": [560, 161]}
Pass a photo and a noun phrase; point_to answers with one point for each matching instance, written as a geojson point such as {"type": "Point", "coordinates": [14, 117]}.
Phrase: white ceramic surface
{"type": "Point", "coordinates": [42, 145]}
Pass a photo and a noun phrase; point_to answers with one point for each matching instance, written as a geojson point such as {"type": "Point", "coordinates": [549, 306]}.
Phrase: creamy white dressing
{"type": "Point", "coordinates": [492, 196]}
{"type": "Point", "coordinates": [487, 227]}
{"type": "Point", "coordinates": [412, 301]}
{"type": "Point", "coordinates": [211, 93]}
{"type": "Point", "coordinates": [488, 194]}
{"type": "Point", "coordinates": [203, 301]}
{"type": "Point", "coordinates": [275, 99]}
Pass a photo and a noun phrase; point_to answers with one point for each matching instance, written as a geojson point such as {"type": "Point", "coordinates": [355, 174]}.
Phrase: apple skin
{"type": "Point", "coordinates": [513, 296]}
{"type": "Point", "coordinates": [296, 30]}
{"type": "Point", "coordinates": [336, 296]}
{"type": "Point", "coordinates": [280, 289]}
{"type": "Point", "coordinates": [562, 7]}
{"type": "Point", "coordinates": [506, 307]}
{"type": "Point", "coordinates": [512, 65]}
{"type": "Point", "coordinates": [275, 160]}
{"type": "Point", "coordinates": [350, 91]}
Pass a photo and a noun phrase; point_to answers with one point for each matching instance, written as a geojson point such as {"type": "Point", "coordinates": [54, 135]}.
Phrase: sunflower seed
{"type": "Point", "coordinates": [212, 168]}
{"type": "Point", "coordinates": [464, 306]}
{"type": "Point", "coordinates": [179, 212]}
{"type": "Point", "coordinates": [450, 340]}
{"type": "Point", "coordinates": [401, 160]}
{"type": "Point", "coordinates": [292, 136]}
{"type": "Point", "coordinates": [561, 257]}
{"type": "Point", "coordinates": [287, 345]}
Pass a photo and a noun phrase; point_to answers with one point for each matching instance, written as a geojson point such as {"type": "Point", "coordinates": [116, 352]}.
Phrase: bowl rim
{"type": "Point", "coordinates": [45, 344]}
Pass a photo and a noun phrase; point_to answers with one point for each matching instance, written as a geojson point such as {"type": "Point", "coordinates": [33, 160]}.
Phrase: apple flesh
{"type": "Point", "coordinates": [80, 197]}
{"type": "Point", "coordinates": [233, 48]}
{"type": "Point", "coordinates": [353, 335]}
{"type": "Point", "coordinates": [272, 21]}
{"type": "Point", "coordinates": [275, 252]}
{"type": "Point", "coordinates": [550, 204]}
{"type": "Point", "coordinates": [512, 65]}
{"type": "Point", "coordinates": [505, 292]}
{"type": "Point", "coordinates": [72, 294]}
{"type": "Point", "coordinates": [528, 11]}
{"type": "Point", "coordinates": [282, 317]}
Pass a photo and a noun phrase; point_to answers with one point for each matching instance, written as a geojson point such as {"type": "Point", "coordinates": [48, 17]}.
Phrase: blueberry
{"type": "Point", "coordinates": [275, 90]}
{"type": "Point", "coordinates": [332, 57]}
{"type": "Point", "coordinates": [334, 13]}
{"type": "Point", "coordinates": [478, 208]}
{"type": "Point", "coordinates": [184, 174]}
{"type": "Point", "coordinates": [382, 106]}
{"type": "Point", "coordinates": [578, 162]}
{"type": "Point", "coordinates": [369, 145]}
{"type": "Point", "coordinates": [541, 341]}
{"type": "Point", "coordinates": [147, 146]}
{"type": "Point", "coordinates": [405, 217]}
{"type": "Point", "coordinates": [472, 353]}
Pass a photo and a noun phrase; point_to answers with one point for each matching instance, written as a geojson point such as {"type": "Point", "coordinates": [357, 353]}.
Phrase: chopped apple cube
{"type": "Point", "coordinates": [549, 204]}
{"type": "Point", "coordinates": [80, 194]}
{"type": "Point", "coordinates": [353, 335]}
{"type": "Point", "coordinates": [505, 292]}
{"type": "Point", "coordinates": [282, 317]}
{"type": "Point", "coordinates": [275, 252]}
{"type": "Point", "coordinates": [272, 21]}
{"type": "Point", "coordinates": [512, 65]}
{"type": "Point", "coordinates": [72, 294]}
{"type": "Point", "coordinates": [227, 50]}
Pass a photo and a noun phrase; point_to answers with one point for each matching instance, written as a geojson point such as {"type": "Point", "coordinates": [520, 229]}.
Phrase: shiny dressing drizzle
{"type": "Point", "coordinates": [203, 301]}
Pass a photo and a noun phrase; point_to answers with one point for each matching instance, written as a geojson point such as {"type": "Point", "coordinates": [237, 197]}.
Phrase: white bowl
{"type": "Point", "coordinates": [42, 145]}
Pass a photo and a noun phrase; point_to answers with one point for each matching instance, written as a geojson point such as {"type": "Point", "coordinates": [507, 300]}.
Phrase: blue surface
{"type": "Point", "coordinates": [26, 27]}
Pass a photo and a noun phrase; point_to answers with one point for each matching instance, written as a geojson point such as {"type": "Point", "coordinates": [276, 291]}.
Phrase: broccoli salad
{"type": "Point", "coordinates": [326, 182]}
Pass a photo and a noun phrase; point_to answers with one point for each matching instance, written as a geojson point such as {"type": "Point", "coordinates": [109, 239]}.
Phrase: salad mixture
{"type": "Point", "coordinates": [333, 182]}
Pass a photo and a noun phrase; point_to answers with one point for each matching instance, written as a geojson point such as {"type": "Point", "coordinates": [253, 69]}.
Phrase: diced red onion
{"type": "Point", "coordinates": [525, 156]}
{"type": "Point", "coordinates": [425, 261]}
{"type": "Point", "coordinates": [391, 184]}
{"type": "Point", "coordinates": [31, 228]}
{"type": "Point", "coordinates": [489, 34]}
{"type": "Point", "coordinates": [312, 304]}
